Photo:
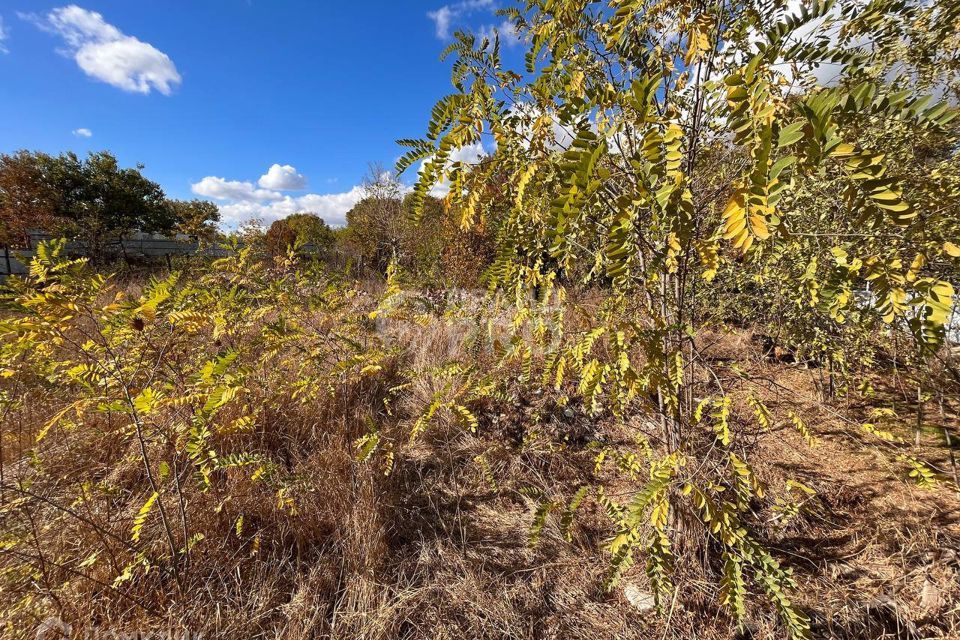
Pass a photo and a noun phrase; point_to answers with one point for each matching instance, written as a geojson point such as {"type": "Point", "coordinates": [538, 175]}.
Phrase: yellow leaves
{"type": "Point", "coordinates": [745, 479]}
{"type": "Point", "coordinates": [370, 370]}
{"type": "Point", "coordinates": [883, 434]}
{"type": "Point", "coordinates": [698, 38]}
{"type": "Point", "coordinates": [918, 263]}
{"type": "Point", "coordinates": [239, 425]}
{"type": "Point", "coordinates": [802, 429]}
{"type": "Point", "coordinates": [721, 420]}
{"type": "Point", "coordinates": [592, 377]}
{"type": "Point", "coordinates": [760, 411]}
{"type": "Point", "coordinates": [933, 302]}
{"type": "Point", "coordinates": [676, 369]}
{"type": "Point", "coordinates": [673, 250]}
{"type": "Point", "coordinates": [672, 142]}
{"type": "Point", "coordinates": [577, 83]}
{"type": "Point", "coordinates": [938, 299]}
{"type": "Point", "coordinates": [544, 507]}
{"type": "Point", "coordinates": [919, 472]}
{"type": "Point", "coordinates": [189, 320]}
{"type": "Point", "coordinates": [888, 286]}
{"type": "Point", "coordinates": [701, 407]}
{"type": "Point", "coordinates": [125, 576]}
{"type": "Point", "coordinates": [732, 587]}
{"type": "Point", "coordinates": [868, 170]}
{"type": "Point", "coordinates": [894, 303]}
{"type": "Point", "coordinates": [90, 560]}
{"type": "Point", "coordinates": [220, 397]}
{"type": "Point", "coordinates": [951, 249]}
{"type": "Point", "coordinates": [286, 501]}
{"type": "Point", "coordinates": [709, 257]}
{"type": "Point", "coordinates": [391, 295]}
{"type": "Point", "coordinates": [799, 486]}
{"type": "Point", "coordinates": [147, 401]}
{"type": "Point", "coordinates": [744, 222]}
{"type": "Point", "coordinates": [660, 514]}
{"type": "Point", "coordinates": [141, 518]}
{"type": "Point", "coordinates": [466, 417]}
{"type": "Point", "coordinates": [619, 542]}
{"type": "Point", "coordinates": [682, 80]}
{"type": "Point", "coordinates": [844, 150]}
{"type": "Point", "coordinates": [735, 222]}
{"type": "Point", "coordinates": [522, 182]}
{"type": "Point", "coordinates": [77, 406]}
{"type": "Point", "coordinates": [889, 198]}
{"type": "Point", "coordinates": [366, 445]}
{"type": "Point", "coordinates": [758, 225]}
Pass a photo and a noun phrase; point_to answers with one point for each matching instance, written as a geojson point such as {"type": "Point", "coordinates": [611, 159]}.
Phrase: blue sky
{"type": "Point", "coordinates": [211, 94]}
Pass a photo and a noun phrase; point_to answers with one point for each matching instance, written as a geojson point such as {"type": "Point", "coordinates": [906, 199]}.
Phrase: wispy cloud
{"type": "Point", "coordinates": [104, 52]}
{"type": "Point", "coordinates": [83, 132]}
{"type": "Point", "coordinates": [448, 16]}
{"type": "Point", "coordinates": [4, 34]}
{"type": "Point", "coordinates": [506, 30]}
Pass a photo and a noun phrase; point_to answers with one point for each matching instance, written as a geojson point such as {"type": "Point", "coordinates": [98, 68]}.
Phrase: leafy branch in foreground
{"type": "Point", "coordinates": [691, 159]}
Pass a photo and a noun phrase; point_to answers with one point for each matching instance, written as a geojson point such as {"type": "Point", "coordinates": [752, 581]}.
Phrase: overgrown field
{"type": "Point", "coordinates": [261, 449]}
{"type": "Point", "coordinates": [660, 344]}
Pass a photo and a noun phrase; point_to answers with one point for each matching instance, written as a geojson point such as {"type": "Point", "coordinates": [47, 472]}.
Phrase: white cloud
{"type": "Point", "coordinates": [83, 132]}
{"type": "Point", "coordinates": [104, 52]}
{"type": "Point", "coordinates": [4, 34]}
{"type": "Point", "coordinates": [243, 201]}
{"type": "Point", "coordinates": [222, 189]}
{"type": "Point", "coordinates": [282, 178]}
{"type": "Point", "coordinates": [332, 207]}
{"type": "Point", "coordinates": [470, 154]}
{"type": "Point", "coordinates": [446, 16]}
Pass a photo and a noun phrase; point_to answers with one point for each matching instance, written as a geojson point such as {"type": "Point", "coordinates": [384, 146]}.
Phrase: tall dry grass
{"type": "Point", "coordinates": [432, 540]}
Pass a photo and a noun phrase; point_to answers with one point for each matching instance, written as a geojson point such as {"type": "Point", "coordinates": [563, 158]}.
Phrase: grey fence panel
{"type": "Point", "coordinates": [137, 247]}
{"type": "Point", "coordinates": [15, 262]}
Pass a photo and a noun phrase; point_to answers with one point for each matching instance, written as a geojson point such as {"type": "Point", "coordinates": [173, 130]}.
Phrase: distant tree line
{"type": "Point", "coordinates": [434, 247]}
{"type": "Point", "coordinates": [92, 199]}
{"type": "Point", "coordinates": [98, 202]}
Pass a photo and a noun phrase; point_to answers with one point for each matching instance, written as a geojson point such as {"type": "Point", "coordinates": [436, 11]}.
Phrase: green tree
{"type": "Point", "coordinates": [375, 224]}
{"type": "Point", "coordinates": [422, 234]}
{"type": "Point", "coordinates": [93, 199]}
{"type": "Point", "coordinates": [28, 200]}
{"type": "Point", "coordinates": [113, 202]}
{"type": "Point", "coordinates": [298, 230]}
{"type": "Point", "coordinates": [195, 218]}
